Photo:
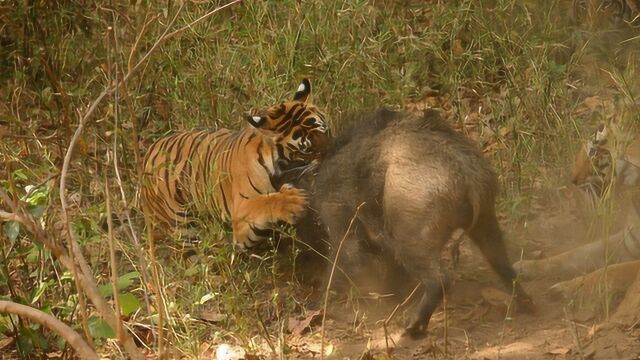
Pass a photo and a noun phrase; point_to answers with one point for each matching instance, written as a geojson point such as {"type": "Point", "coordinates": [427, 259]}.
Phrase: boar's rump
{"type": "Point", "coordinates": [405, 182]}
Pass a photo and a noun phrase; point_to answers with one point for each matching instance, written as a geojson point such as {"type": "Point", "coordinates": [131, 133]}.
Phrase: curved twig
{"type": "Point", "coordinates": [74, 339]}
{"type": "Point", "coordinates": [74, 249]}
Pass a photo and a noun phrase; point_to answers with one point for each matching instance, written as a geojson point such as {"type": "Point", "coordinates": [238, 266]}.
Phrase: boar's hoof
{"type": "Point", "coordinates": [416, 330]}
{"type": "Point", "coordinates": [526, 305]}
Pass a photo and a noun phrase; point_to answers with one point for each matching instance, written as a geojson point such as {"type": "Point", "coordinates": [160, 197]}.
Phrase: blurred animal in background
{"type": "Point", "coordinates": [609, 160]}
{"type": "Point", "coordinates": [234, 176]}
{"type": "Point", "coordinates": [397, 186]}
{"type": "Point", "coordinates": [600, 14]}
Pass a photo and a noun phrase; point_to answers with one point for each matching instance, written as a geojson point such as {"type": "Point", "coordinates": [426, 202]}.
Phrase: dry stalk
{"type": "Point", "coordinates": [137, 42]}
{"type": "Point", "coordinates": [142, 266]}
{"type": "Point", "coordinates": [72, 246]}
{"type": "Point", "coordinates": [201, 18]}
{"type": "Point", "coordinates": [74, 339]}
{"type": "Point", "coordinates": [12, 290]}
{"type": "Point", "coordinates": [74, 250]}
{"type": "Point", "coordinates": [386, 321]}
{"type": "Point", "coordinates": [113, 261]}
{"type": "Point", "coordinates": [7, 216]}
{"type": "Point", "coordinates": [263, 325]}
{"type": "Point", "coordinates": [74, 259]}
{"type": "Point", "coordinates": [574, 334]}
{"type": "Point", "coordinates": [333, 269]}
{"type": "Point", "coordinates": [85, 277]}
{"type": "Point", "coordinates": [150, 239]}
{"type": "Point", "coordinates": [156, 278]}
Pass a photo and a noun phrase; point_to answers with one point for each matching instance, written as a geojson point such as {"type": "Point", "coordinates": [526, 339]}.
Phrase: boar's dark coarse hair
{"type": "Point", "coordinates": [408, 181]}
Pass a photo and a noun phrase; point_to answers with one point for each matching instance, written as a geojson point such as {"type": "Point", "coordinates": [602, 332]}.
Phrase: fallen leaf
{"type": "Point", "coordinates": [328, 350]}
{"type": "Point", "coordinates": [593, 102]}
{"type": "Point", "coordinates": [559, 351]}
{"type": "Point", "coordinates": [206, 350]}
{"type": "Point", "coordinates": [212, 316]}
{"type": "Point", "coordinates": [494, 296]}
{"type": "Point", "coordinates": [367, 355]}
{"type": "Point", "coordinates": [316, 348]}
{"type": "Point", "coordinates": [537, 254]}
{"type": "Point", "coordinates": [457, 48]}
{"type": "Point", "coordinates": [6, 342]}
{"type": "Point", "coordinates": [298, 326]}
{"type": "Point", "coordinates": [229, 352]}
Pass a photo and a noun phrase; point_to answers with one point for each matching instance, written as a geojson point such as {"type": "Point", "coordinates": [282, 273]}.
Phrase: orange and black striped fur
{"type": "Point", "coordinates": [611, 156]}
{"type": "Point", "coordinates": [236, 175]}
{"type": "Point", "coordinates": [600, 14]}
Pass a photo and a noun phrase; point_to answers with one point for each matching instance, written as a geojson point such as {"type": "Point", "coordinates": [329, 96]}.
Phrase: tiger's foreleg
{"type": "Point", "coordinates": [578, 261]}
{"type": "Point", "coordinates": [253, 215]}
{"type": "Point", "coordinates": [617, 277]}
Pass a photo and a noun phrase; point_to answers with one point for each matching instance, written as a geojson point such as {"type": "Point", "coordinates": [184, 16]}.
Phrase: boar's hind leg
{"type": "Point", "coordinates": [434, 286]}
{"type": "Point", "coordinates": [418, 249]}
{"type": "Point", "coordinates": [488, 237]}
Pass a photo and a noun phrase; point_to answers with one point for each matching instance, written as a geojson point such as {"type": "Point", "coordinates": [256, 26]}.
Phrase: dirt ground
{"type": "Point", "coordinates": [479, 322]}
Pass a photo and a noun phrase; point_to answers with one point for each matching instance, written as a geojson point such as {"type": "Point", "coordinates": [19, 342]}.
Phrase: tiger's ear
{"type": "Point", "coordinates": [601, 134]}
{"type": "Point", "coordinates": [256, 121]}
{"type": "Point", "coordinates": [304, 89]}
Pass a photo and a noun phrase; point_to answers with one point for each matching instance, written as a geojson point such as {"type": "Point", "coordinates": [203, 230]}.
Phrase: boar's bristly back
{"type": "Point", "coordinates": [401, 184]}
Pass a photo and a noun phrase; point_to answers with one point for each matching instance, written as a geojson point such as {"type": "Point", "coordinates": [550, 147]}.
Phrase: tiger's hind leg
{"type": "Point", "coordinates": [578, 261]}
{"type": "Point", "coordinates": [618, 277]}
{"type": "Point", "coordinates": [253, 216]}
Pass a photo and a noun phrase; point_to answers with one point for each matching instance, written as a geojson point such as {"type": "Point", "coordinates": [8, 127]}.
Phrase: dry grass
{"type": "Point", "coordinates": [514, 75]}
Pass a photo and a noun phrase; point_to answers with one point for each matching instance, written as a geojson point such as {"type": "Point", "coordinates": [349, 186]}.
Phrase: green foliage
{"type": "Point", "coordinates": [503, 71]}
{"type": "Point", "coordinates": [124, 282]}
{"type": "Point", "coordinates": [128, 304]}
{"type": "Point", "coordinates": [12, 230]}
{"type": "Point", "coordinates": [30, 339]}
{"type": "Point", "coordinates": [99, 329]}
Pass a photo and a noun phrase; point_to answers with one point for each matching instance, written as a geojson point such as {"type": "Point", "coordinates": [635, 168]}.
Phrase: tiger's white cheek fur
{"type": "Point", "coordinates": [601, 135]}
{"type": "Point", "coordinates": [630, 174]}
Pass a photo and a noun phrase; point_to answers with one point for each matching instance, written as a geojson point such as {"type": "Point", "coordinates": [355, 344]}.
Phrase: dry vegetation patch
{"type": "Point", "coordinates": [522, 78]}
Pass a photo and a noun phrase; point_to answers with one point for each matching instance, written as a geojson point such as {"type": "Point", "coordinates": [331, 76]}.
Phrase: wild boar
{"type": "Point", "coordinates": [400, 184]}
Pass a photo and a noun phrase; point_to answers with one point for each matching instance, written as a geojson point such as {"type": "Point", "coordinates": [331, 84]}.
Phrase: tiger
{"type": "Point", "coordinates": [594, 164]}
{"type": "Point", "coordinates": [236, 176]}
{"type": "Point", "coordinates": [609, 158]}
{"type": "Point", "coordinates": [600, 13]}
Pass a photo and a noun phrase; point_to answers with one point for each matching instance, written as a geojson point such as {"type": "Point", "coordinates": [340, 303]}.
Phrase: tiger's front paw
{"type": "Point", "coordinates": [292, 203]}
{"type": "Point", "coordinates": [531, 269]}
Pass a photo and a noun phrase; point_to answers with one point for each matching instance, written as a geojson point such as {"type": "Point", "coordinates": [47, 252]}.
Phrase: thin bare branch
{"type": "Point", "coordinates": [9, 216]}
{"type": "Point", "coordinates": [202, 18]}
{"type": "Point", "coordinates": [113, 261]}
{"type": "Point", "coordinates": [142, 263]}
{"type": "Point", "coordinates": [333, 269]}
{"type": "Point", "coordinates": [74, 250]}
{"type": "Point", "coordinates": [74, 339]}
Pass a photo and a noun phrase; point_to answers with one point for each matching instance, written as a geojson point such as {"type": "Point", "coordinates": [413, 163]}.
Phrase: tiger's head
{"type": "Point", "coordinates": [592, 168]}
{"type": "Point", "coordinates": [602, 14]}
{"type": "Point", "coordinates": [596, 166]}
{"type": "Point", "coordinates": [298, 128]}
